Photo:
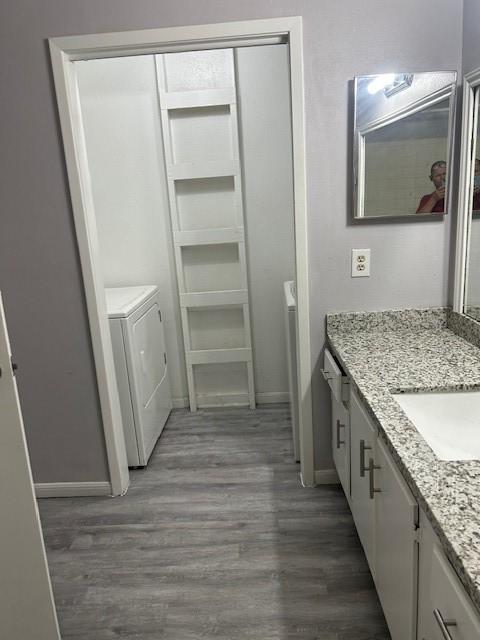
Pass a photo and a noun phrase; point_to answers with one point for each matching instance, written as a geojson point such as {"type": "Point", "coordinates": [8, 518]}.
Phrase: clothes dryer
{"type": "Point", "coordinates": [136, 327]}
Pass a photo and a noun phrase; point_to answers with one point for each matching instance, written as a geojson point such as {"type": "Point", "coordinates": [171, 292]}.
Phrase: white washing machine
{"type": "Point", "coordinates": [291, 334]}
{"type": "Point", "coordinates": [136, 327]}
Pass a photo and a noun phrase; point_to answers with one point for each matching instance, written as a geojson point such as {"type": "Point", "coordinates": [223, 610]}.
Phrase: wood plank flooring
{"type": "Point", "coordinates": [216, 538]}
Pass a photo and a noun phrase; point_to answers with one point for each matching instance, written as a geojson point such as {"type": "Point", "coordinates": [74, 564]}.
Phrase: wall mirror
{"type": "Point", "coordinates": [469, 200]}
{"type": "Point", "coordinates": [402, 147]}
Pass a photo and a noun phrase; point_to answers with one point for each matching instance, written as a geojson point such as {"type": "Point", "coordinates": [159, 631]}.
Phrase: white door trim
{"type": "Point", "coordinates": [64, 51]}
{"type": "Point", "coordinates": [470, 82]}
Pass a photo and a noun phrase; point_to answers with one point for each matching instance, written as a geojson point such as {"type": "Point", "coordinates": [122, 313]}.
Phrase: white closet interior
{"type": "Point", "coordinates": [191, 171]}
{"type": "Point", "coordinates": [198, 103]}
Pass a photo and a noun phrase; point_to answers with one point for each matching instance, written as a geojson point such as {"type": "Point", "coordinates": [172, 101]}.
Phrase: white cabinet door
{"type": "Point", "coordinates": [396, 549]}
{"type": "Point", "coordinates": [362, 439]}
{"type": "Point", "coordinates": [341, 443]}
{"type": "Point", "coordinates": [27, 610]}
{"type": "Point", "coordinates": [442, 600]}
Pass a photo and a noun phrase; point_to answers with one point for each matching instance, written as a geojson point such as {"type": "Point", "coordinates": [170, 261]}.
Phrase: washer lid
{"type": "Point", "coordinates": [122, 301]}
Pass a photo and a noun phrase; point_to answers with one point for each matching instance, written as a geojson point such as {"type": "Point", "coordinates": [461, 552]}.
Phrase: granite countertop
{"type": "Point", "coordinates": [419, 350]}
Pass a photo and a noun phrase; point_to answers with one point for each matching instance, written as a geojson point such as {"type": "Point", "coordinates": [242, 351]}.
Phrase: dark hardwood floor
{"type": "Point", "coordinates": [216, 538]}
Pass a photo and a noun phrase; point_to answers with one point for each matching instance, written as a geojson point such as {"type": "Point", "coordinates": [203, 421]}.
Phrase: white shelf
{"type": "Point", "coordinates": [200, 137]}
{"type": "Point", "coordinates": [208, 236]}
{"type": "Point", "coordinates": [210, 169]}
{"type": "Point", "coordinates": [195, 99]}
{"type": "Point", "coordinates": [216, 356]}
{"type": "Point", "coordinates": [214, 298]}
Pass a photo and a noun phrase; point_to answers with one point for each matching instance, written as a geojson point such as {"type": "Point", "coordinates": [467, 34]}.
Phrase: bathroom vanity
{"type": "Point", "coordinates": [417, 516]}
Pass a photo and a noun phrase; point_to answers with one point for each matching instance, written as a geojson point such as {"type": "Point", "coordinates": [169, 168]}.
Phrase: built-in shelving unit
{"type": "Point", "coordinates": [197, 96]}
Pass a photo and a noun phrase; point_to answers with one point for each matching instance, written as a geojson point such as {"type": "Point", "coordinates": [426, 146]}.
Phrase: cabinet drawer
{"type": "Point", "coordinates": [334, 376]}
{"type": "Point", "coordinates": [449, 602]}
{"type": "Point", "coordinates": [442, 598]}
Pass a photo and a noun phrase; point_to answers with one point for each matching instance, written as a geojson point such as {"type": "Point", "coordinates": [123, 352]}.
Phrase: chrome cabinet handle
{"type": "Point", "coordinates": [443, 624]}
{"type": "Point", "coordinates": [371, 467]}
{"type": "Point", "coordinates": [363, 447]}
{"type": "Point", "coordinates": [339, 426]}
{"type": "Point", "coordinates": [325, 375]}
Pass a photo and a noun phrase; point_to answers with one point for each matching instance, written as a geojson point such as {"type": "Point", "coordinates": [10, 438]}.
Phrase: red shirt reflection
{"type": "Point", "coordinates": [435, 202]}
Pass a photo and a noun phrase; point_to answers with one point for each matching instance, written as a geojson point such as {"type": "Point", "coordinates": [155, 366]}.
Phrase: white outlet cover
{"type": "Point", "coordinates": [360, 263]}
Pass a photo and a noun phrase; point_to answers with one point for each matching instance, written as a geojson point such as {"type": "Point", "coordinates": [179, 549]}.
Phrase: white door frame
{"type": "Point", "coordinates": [464, 211]}
{"type": "Point", "coordinates": [66, 50]}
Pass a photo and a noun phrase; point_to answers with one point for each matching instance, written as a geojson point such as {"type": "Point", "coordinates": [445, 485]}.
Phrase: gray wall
{"type": "Point", "coordinates": [39, 267]}
{"type": "Point", "coordinates": [471, 35]}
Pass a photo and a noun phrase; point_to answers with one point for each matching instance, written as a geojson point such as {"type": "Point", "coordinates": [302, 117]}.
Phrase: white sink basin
{"type": "Point", "coordinates": [449, 421]}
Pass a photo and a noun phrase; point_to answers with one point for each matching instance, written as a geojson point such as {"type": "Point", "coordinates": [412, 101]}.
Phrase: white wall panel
{"type": "Point", "coordinates": [263, 86]}
{"type": "Point", "coordinates": [213, 267]}
{"type": "Point", "coordinates": [124, 145]}
{"type": "Point", "coordinates": [210, 329]}
{"type": "Point", "coordinates": [205, 203]}
{"type": "Point", "coordinates": [187, 71]}
{"type": "Point", "coordinates": [201, 134]}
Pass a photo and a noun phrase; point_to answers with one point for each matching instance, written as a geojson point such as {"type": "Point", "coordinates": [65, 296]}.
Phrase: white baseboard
{"type": "Point", "coordinates": [179, 403]}
{"type": "Point", "coordinates": [209, 400]}
{"type": "Point", "coordinates": [233, 399]}
{"type": "Point", "coordinates": [72, 489]}
{"type": "Point", "coordinates": [326, 476]}
{"type": "Point", "coordinates": [272, 397]}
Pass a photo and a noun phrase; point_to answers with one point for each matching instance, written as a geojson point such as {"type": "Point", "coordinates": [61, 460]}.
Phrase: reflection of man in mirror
{"type": "Point", "coordinates": [435, 202]}
{"type": "Point", "coordinates": [476, 187]}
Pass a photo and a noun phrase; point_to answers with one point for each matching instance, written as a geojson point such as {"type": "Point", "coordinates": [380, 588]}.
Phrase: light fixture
{"type": "Point", "coordinates": [400, 82]}
{"type": "Point", "coordinates": [380, 82]}
{"type": "Point", "coordinates": [390, 83]}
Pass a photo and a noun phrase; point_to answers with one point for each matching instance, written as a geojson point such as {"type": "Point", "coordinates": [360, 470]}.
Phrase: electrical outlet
{"type": "Point", "coordinates": [360, 263]}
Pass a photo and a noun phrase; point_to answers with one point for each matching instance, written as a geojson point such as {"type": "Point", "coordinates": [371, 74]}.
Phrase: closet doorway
{"type": "Point", "coordinates": [197, 311]}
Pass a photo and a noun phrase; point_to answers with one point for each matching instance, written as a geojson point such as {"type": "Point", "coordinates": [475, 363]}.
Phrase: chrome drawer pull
{"type": "Point", "coordinates": [325, 375]}
{"type": "Point", "coordinates": [443, 624]}
{"type": "Point", "coordinates": [339, 426]}
{"type": "Point", "coordinates": [371, 467]}
{"type": "Point", "coordinates": [363, 447]}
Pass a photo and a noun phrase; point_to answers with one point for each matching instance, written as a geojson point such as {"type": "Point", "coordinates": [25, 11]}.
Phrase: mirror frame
{"type": "Point", "coordinates": [465, 184]}
{"type": "Point", "coordinates": [448, 92]}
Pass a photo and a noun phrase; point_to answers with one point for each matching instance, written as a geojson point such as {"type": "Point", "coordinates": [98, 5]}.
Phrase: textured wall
{"type": "Point", "coordinates": [39, 267]}
{"type": "Point", "coordinates": [471, 40]}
